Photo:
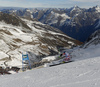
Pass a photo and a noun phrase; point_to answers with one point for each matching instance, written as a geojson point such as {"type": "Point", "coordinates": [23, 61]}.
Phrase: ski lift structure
{"type": "Point", "coordinates": [25, 58]}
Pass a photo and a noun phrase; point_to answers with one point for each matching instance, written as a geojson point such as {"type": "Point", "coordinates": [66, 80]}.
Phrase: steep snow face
{"type": "Point", "coordinates": [80, 73]}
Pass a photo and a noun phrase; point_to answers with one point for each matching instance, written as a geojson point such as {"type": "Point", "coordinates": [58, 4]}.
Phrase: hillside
{"type": "Point", "coordinates": [18, 35]}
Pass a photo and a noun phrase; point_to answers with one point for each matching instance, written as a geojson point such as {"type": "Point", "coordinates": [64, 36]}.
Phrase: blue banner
{"type": "Point", "coordinates": [25, 58]}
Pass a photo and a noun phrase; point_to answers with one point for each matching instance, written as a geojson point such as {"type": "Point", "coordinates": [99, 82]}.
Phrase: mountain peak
{"type": "Point", "coordinates": [75, 7]}
{"type": "Point", "coordinates": [97, 8]}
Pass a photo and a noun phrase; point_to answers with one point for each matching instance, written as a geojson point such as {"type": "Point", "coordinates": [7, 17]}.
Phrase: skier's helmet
{"type": "Point", "coordinates": [64, 52]}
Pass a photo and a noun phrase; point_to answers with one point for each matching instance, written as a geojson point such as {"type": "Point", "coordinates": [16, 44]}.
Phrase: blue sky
{"type": "Point", "coordinates": [49, 3]}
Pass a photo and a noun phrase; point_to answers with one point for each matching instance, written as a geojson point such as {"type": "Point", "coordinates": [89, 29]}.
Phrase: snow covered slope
{"type": "Point", "coordinates": [80, 73]}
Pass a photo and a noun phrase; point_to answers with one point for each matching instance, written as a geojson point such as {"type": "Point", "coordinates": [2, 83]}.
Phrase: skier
{"type": "Point", "coordinates": [67, 57]}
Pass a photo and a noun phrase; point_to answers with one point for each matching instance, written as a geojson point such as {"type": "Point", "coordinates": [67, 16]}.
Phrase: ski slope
{"type": "Point", "coordinates": [83, 72]}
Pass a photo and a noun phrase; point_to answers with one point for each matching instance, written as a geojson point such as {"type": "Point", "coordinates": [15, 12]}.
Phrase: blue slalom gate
{"type": "Point", "coordinates": [25, 58]}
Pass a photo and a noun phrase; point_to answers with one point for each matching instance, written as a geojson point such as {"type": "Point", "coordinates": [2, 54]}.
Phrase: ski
{"type": "Point", "coordinates": [60, 63]}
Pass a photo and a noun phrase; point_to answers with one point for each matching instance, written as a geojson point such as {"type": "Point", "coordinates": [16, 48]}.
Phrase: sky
{"type": "Point", "coordinates": [49, 3]}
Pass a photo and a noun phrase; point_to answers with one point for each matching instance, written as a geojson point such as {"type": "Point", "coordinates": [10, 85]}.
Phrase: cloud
{"type": "Point", "coordinates": [87, 0]}
{"type": "Point", "coordinates": [19, 3]}
{"type": "Point", "coordinates": [49, 3]}
{"type": "Point", "coordinates": [86, 3]}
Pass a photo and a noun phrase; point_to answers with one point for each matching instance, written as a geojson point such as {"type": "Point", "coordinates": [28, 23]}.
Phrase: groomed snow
{"type": "Point", "coordinates": [84, 73]}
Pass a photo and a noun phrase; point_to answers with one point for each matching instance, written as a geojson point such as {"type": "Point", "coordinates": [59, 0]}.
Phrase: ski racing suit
{"type": "Point", "coordinates": [67, 57]}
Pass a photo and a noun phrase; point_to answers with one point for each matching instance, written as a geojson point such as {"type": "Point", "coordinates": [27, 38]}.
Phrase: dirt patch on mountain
{"type": "Point", "coordinates": [6, 32]}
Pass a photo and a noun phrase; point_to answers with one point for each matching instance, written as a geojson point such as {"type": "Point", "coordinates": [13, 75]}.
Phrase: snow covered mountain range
{"type": "Point", "coordinates": [18, 35]}
{"type": "Point", "coordinates": [78, 23]}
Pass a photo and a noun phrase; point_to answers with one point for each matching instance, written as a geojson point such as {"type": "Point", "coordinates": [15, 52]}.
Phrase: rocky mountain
{"type": "Point", "coordinates": [94, 39]}
{"type": "Point", "coordinates": [76, 22]}
{"type": "Point", "coordinates": [18, 35]}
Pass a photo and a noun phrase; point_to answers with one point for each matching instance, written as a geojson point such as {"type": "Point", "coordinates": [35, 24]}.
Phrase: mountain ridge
{"type": "Point", "coordinates": [78, 23]}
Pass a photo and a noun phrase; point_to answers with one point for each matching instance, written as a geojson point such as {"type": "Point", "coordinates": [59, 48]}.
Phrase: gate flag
{"type": "Point", "coordinates": [25, 57]}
